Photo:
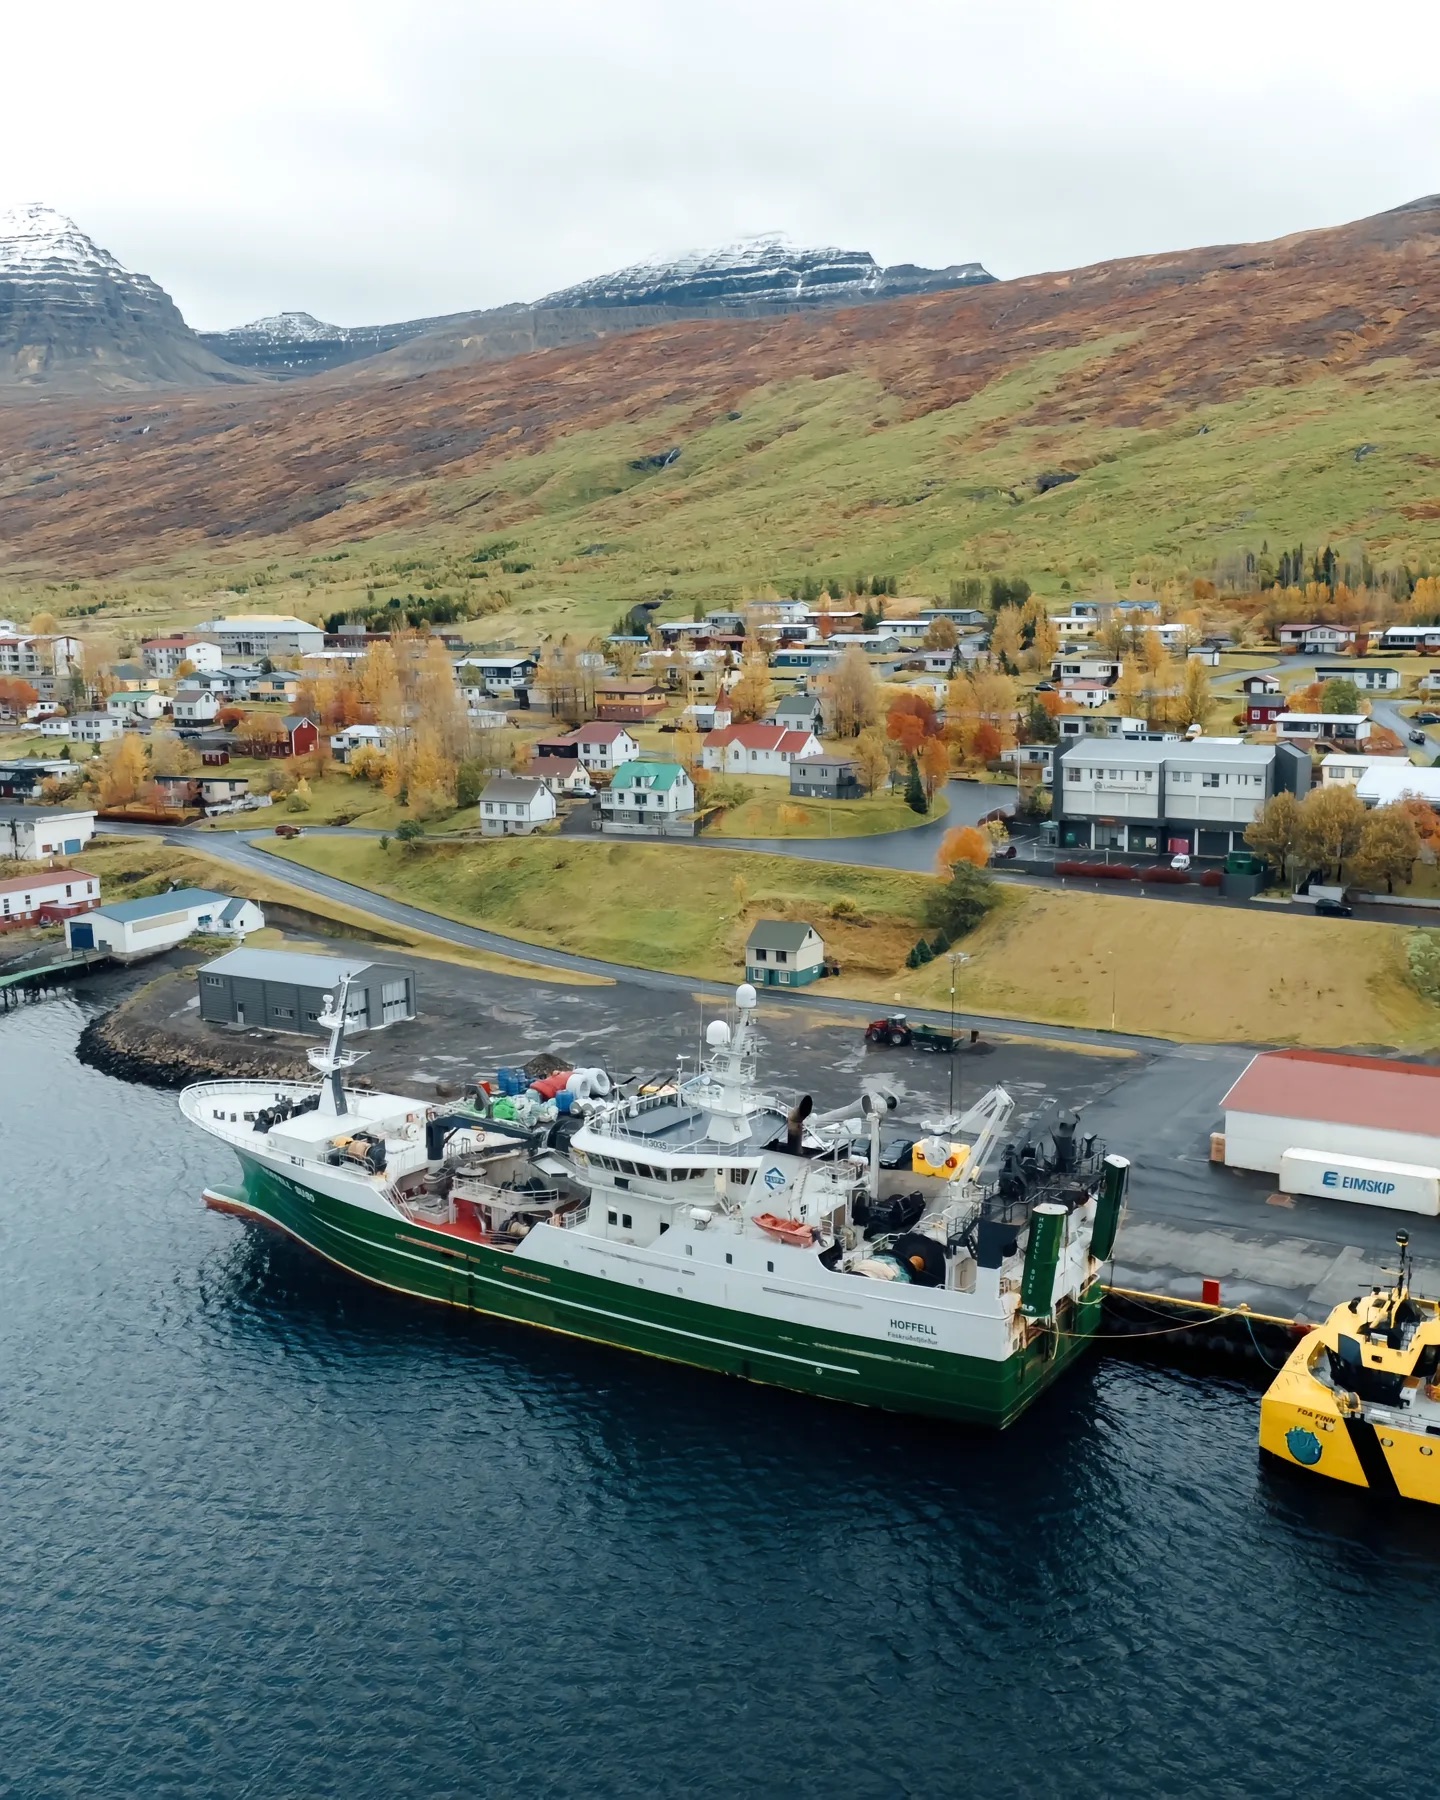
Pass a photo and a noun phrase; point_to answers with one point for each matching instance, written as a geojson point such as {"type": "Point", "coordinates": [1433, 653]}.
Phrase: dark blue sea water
{"type": "Point", "coordinates": [264, 1532]}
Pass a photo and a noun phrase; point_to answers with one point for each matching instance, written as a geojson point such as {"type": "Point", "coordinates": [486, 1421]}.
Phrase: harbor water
{"type": "Point", "coordinates": [265, 1532]}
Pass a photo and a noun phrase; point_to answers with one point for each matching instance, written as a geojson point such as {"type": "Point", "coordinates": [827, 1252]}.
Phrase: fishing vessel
{"type": "Point", "coordinates": [1358, 1399]}
{"type": "Point", "coordinates": [703, 1220]}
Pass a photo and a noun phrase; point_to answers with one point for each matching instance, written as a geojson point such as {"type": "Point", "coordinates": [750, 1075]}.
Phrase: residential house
{"type": "Point", "coordinates": [29, 656]}
{"type": "Point", "coordinates": [344, 744]}
{"type": "Point", "coordinates": [1074, 626]}
{"type": "Point", "coordinates": [29, 833]}
{"type": "Point", "coordinates": [143, 927]}
{"type": "Point", "coordinates": [649, 798]}
{"type": "Point", "coordinates": [1260, 684]}
{"type": "Point", "coordinates": [134, 704]}
{"type": "Point", "coordinates": [1318, 640]}
{"type": "Point", "coordinates": [301, 736]}
{"type": "Point", "coordinates": [502, 672]}
{"type": "Point", "coordinates": [22, 777]}
{"type": "Point", "coordinates": [1370, 678]}
{"type": "Point", "coordinates": [783, 953]}
{"type": "Point", "coordinates": [826, 778]}
{"type": "Point", "coordinates": [1262, 710]}
{"type": "Point", "coordinates": [1163, 798]}
{"type": "Point", "coordinates": [514, 806]}
{"type": "Point", "coordinates": [1421, 640]}
{"type": "Point", "coordinates": [804, 659]}
{"type": "Point", "coordinates": [797, 712]}
{"type": "Point", "coordinates": [604, 746]}
{"type": "Point", "coordinates": [218, 790]}
{"type": "Point", "coordinates": [1093, 694]}
{"type": "Point", "coordinates": [1034, 764]}
{"type": "Point", "coordinates": [963, 618]}
{"type": "Point", "coordinates": [758, 749]}
{"type": "Point", "coordinates": [58, 725]}
{"type": "Point", "coordinates": [195, 706]}
{"type": "Point", "coordinates": [270, 636]}
{"type": "Point", "coordinates": [1319, 728]}
{"type": "Point", "coordinates": [1206, 654]}
{"type": "Point", "coordinates": [1429, 683]}
{"type": "Point", "coordinates": [1075, 725]}
{"type": "Point", "coordinates": [628, 702]}
{"type": "Point", "coordinates": [563, 775]}
{"type": "Point", "coordinates": [46, 897]}
{"type": "Point", "coordinates": [129, 676]}
{"type": "Point", "coordinates": [1073, 666]}
{"type": "Point", "coordinates": [708, 715]}
{"type": "Point", "coordinates": [162, 656]}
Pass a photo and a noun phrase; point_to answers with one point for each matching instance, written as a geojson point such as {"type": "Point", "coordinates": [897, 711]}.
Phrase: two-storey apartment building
{"type": "Point", "coordinates": [1192, 797]}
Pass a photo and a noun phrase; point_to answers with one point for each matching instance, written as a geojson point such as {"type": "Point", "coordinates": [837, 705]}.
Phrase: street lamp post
{"type": "Point", "coordinates": [956, 958]}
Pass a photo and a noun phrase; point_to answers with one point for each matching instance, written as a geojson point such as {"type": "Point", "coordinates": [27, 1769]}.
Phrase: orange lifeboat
{"type": "Point", "coordinates": [789, 1231]}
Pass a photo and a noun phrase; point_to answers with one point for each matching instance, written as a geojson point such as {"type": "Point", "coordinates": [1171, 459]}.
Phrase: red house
{"type": "Point", "coordinates": [1262, 710]}
{"type": "Point", "coordinates": [302, 735]}
{"type": "Point", "coordinates": [47, 896]}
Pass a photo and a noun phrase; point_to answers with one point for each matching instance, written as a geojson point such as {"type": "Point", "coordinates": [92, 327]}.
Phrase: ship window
{"type": "Point", "coordinates": [689, 1248]}
{"type": "Point", "coordinates": [626, 1221]}
{"type": "Point", "coordinates": [770, 1267]}
{"type": "Point", "coordinates": [612, 1217]}
{"type": "Point", "coordinates": [664, 1227]}
{"type": "Point", "coordinates": [728, 1257]}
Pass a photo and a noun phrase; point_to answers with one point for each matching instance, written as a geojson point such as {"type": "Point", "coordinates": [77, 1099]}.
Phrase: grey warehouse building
{"type": "Point", "coordinates": [285, 990]}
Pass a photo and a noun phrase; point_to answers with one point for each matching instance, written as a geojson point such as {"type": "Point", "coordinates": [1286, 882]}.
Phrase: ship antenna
{"type": "Point", "coordinates": [332, 1062]}
{"type": "Point", "coordinates": [1402, 1244]}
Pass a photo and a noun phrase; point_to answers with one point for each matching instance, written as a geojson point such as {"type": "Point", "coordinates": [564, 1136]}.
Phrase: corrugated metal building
{"type": "Point", "coordinates": [285, 990]}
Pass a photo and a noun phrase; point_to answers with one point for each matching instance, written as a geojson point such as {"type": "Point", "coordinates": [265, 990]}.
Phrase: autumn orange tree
{"type": "Point", "coordinates": [934, 763]}
{"type": "Point", "coordinates": [963, 844]}
{"type": "Point", "coordinates": [910, 720]}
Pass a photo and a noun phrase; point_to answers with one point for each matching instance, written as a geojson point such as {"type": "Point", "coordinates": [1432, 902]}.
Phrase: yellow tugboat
{"type": "Point", "coordinates": [1359, 1398]}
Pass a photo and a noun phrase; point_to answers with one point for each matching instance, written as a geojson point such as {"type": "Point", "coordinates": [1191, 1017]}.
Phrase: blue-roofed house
{"type": "Point", "coordinates": [130, 928]}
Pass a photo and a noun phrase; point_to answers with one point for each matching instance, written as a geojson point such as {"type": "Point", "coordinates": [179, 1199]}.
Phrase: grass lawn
{"type": "Point", "coordinates": [770, 812]}
{"type": "Point", "coordinates": [1201, 972]}
{"type": "Point", "coordinates": [659, 906]}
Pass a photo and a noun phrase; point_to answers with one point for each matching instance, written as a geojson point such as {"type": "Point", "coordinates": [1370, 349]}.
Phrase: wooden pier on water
{"type": "Point", "coordinates": [36, 980]}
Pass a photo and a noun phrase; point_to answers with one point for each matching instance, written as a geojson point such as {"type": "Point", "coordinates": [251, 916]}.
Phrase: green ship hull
{"type": "Point", "coordinates": [396, 1254]}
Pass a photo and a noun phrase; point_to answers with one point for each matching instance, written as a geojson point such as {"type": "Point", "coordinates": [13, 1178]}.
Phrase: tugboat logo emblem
{"type": "Point", "coordinates": [774, 1179]}
{"type": "Point", "coordinates": [1303, 1445]}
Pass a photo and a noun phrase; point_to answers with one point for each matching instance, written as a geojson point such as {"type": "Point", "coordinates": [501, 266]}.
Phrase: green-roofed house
{"type": "Point", "coordinates": [783, 953]}
{"type": "Point", "coordinates": [648, 799]}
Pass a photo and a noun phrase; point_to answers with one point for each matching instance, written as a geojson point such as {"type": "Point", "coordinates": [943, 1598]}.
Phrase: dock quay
{"type": "Point", "coordinates": [33, 980]}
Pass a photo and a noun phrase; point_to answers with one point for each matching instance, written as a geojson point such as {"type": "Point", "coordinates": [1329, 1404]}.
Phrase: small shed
{"type": "Point", "coordinates": [784, 953]}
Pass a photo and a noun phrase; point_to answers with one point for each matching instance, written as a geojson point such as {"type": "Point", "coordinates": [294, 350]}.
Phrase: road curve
{"type": "Point", "coordinates": [242, 855]}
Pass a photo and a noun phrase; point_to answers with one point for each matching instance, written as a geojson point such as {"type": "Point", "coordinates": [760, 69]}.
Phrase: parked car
{"type": "Point", "coordinates": [1418, 737]}
{"type": "Point", "coordinates": [1427, 718]}
{"type": "Point", "coordinates": [289, 831]}
{"type": "Point", "coordinates": [1180, 861]}
{"type": "Point", "coordinates": [1333, 909]}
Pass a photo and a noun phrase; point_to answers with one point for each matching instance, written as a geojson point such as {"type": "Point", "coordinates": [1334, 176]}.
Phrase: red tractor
{"type": "Point", "coordinates": [902, 1035]}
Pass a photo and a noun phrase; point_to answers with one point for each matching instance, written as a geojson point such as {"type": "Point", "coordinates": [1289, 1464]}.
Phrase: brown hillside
{"type": "Point", "coordinates": [88, 489]}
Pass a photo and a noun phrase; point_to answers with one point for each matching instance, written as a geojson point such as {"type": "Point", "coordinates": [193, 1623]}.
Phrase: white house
{"type": "Point", "coordinates": [797, 712]}
{"type": "Point", "coordinates": [94, 727]}
{"type": "Point", "coordinates": [46, 896]}
{"type": "Point", "coordinates": [55, 725]}
{"type": "Point", "coordinates": [758, 749]}
{"type": "Point", "coordinates": [269, 635]}
{"type": "Point", "coordinates": [1381, 780]}
{"type": "Point", "coordinates": [604, 747]}
{"type": "Point", "coordinates": [708, 715]}
{"type": "Point", "coordinates": [1083, 693]}
{"type": "Point", "coordinates": [1369, 678]}
{"type": "Point", "coordinates": [1337, 728]}
{"type": "Point", "coordinates": [141, 927]}
{"type": "Point", "coordinates": [344, 744]}
{"type": "Point", "coordinates": [1073, 626]}
{"type": "Point", "coordinates": [654, 799]}
{"type": "Point", "coordinates": [1316, 640]}
{"type": "Point", "coordinates": [31, 832]}
{"type": "Point", "coordinates": [195, 706]}
{"type": "Point", "coordinates": [562, 775]}
{"type": "Point", "coordinates": [138, 703]}
{"type": "Point", "coordinates": [783, 953]}
{"type": "Point", "coordinates": [162, 656]}
{"type": "Point", "coordinates": [514, 806]}
{"type": "Point", "coordinates": [1420, 639]}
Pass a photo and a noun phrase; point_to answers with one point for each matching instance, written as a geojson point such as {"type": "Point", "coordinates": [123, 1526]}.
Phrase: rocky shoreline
{"type": "Point", "coordinates": [137, 1052]}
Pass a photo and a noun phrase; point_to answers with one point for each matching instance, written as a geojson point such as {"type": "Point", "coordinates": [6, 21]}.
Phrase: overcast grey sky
{"type": "Point", "coordinates": [368, 162]}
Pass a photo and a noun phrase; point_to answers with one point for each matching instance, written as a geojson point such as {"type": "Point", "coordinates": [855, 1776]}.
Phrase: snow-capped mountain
{"type": "Point", "coordinates": [766, 270]}
{"type": "Point", "coordinates": [74, 318]}
{"type": "Point", "coordinates": [297, 343]}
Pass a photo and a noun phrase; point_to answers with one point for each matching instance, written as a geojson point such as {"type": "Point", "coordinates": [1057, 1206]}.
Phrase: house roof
{"type": "Point", "coordinates": [661, 776]}
{"type": "Point", "coordinates": [178, 900]}
{"type": "Point", "coordinates": [32, 814]}
{"type": "Point", "coordinates": [803, 704]}
{"type": "Point", "coordinates": [599, 733]}
{"type": "Point", "coordinates": [293, 721]}
{"type": "Point", "coordinates": [16, 884]}
{"type": "Point", "coordinates": [812, 763]}
{"type": "Point", "coordinates": [1339, 1089]}
{"type": "Point", "coordinates": [561, 767]}
{"type": "Point", "coordinates": [513, 787]}
{"type": "Point", "coordinates": [759, 737]}
{"type": "Point", "coordinates": [778, 934]}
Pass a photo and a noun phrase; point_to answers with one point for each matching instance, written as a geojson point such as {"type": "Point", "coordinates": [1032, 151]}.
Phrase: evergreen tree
{"type": "Point", "coordinates": [915, 790]}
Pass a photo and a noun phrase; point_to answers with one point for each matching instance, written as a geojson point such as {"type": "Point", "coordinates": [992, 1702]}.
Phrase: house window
{"type": "Point", "coordinates": [782, 956]}
{"type": "Point", "coordinates": [760, 956]}
{"type": "Point", "coordinates": [214, 981]}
